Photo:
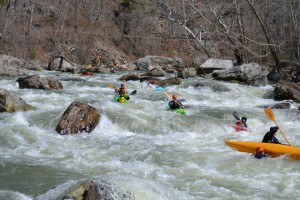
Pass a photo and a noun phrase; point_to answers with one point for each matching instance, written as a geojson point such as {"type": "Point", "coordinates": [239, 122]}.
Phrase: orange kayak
{"type": "Point", "coordinates": [271, 149]}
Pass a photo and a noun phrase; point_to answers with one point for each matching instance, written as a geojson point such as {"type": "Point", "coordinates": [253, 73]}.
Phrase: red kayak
{"type": "Point", "coordinates": [239, 128]}
{"type": "Point", "coordinates": [87, 73]}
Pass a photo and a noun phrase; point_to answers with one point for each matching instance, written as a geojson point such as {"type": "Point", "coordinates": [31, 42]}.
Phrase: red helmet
{"type": "Point", "coordinates": [174, 96]}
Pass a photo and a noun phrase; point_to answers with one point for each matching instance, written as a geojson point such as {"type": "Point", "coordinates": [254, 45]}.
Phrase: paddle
{"type": "Point", "coordinates": [181, 106]}
{"type": "Point", "coordinates": [236, 116]}
{"type": "Point", "coordinates": [271, 116]}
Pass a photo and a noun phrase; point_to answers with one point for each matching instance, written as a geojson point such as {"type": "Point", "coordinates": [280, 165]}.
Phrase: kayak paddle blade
{"type": "Point", "coordinates": [133, 92]}
{"type": "Point", "coordinates": [236, 116]}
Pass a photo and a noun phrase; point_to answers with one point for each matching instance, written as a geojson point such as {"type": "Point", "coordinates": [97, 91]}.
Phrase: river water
{"type": "Point", "coordinates": [142, 147]}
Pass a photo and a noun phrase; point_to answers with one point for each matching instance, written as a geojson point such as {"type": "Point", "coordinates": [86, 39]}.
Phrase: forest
{"type": "Point", "coordinates": [262, 31]}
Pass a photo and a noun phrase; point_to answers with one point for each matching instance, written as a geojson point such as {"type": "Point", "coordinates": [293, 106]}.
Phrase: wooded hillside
{"type": "Point", "coordinates": [264, 31]}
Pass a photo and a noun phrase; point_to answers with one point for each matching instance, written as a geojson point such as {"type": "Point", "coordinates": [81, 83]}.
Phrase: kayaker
{"type": "Point", "coordinates": [174, 104]}
{"type": "Point", "coordinates": [260, 153]}
{"type": "Point", "coordinates": [122, 92]}
{"type": "Point", "coordinates": [242, 123]}
{"type": "Point", "coordinates": [270, 136]}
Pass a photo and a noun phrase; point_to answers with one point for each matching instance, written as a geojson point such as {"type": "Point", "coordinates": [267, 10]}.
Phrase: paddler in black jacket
{"type": "Point", "coordinates": [174, 104]}
{"type": "Point", "coordinates": [270, 136]}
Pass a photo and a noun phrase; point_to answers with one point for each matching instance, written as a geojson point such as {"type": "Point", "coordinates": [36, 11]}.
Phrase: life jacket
{"type": "Point", "coordinates": [122, 91]}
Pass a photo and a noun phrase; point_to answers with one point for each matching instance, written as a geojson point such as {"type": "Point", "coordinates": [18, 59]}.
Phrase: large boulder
{"type": "Point", "coordinates": [187, 73]}
{"type": "Point", "coordinates": [37, 82]}
{"type": "Point", "coordinates": [165, 63]}
{"type": "Point", "coordinates": [285, 90]}
{"type": "Point", "coordinates": [169, 81]}
{"type": "Point", "coordinates": [12, 103]}
{"type": "Point", "coordinates": [213, 64]}
{"type": "Point", "coordinates": [79, 117]}
{"type": "Point", "coordinates": [252, 74]}
{"type": "Point", "coordinates": [12, 67]}
{"type": "Point", "coordinates": [60, 63]}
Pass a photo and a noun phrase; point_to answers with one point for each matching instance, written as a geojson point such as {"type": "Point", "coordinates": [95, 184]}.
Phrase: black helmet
{"type": "Point", "coordinates": [274, 129]}
{"type": "Point", "coordinates": [244, 119]}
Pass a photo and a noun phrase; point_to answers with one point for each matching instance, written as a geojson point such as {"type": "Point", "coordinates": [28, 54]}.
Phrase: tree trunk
{"type": "Point", "coordinates": [274, 55]}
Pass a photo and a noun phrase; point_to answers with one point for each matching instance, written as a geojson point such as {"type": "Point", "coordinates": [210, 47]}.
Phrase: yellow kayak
{"type": "Point", "coordinates": [271, 149]}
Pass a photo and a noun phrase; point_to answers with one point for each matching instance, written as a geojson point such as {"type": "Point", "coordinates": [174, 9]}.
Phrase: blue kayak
{"type": "Point", "coordinates": [159, 88]}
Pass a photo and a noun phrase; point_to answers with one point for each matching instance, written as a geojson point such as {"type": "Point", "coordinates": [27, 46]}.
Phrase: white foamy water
{"type": "Point", "coordinates": [142, 147]}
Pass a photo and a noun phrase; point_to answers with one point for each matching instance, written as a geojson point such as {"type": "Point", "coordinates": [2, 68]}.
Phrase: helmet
{"type": "Point", "coordinates": [244, 119]}
{"type": "Point", "coordinates": [174, 96]}
{"type": "Point", "coordinates": [122, 84]}
{"type": "Point", "coordinates": [260, 149]}
{"type": "Point", "coordinates": [274, 129]}
{"type": "Point", "coordinates": [238, 123]}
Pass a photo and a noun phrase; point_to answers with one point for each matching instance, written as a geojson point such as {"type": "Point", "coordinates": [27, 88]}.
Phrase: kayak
{"type": "Point", "coordinates": [87, 73]}
{"type": "Point", "coordinates": [271, 149]}
{"type": "Point", "coordinates": [239, 128]}
{"type": "Point", "coordinates": [179, 110]}
{"type": "Point", "coordinates": [117, 99]}
{"type": "Point", "coordinates": [159, 88]}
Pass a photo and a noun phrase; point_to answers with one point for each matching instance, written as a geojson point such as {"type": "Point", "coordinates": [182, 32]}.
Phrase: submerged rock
{"type": "Point", "coordinates": [12, 103]}
{"type": "Point", "coordinates": [79, 117]}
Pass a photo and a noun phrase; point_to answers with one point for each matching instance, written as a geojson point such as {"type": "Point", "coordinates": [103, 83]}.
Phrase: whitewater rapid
{"type": "Point", "coordinates": [142, 147]}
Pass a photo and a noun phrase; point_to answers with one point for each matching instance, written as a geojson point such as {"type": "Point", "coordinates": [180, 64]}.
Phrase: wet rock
{"type": "Point", "coordinates": [213, 64]}
{"type": "Point", "coordinates": [79, 117]}
{"type": "Point", "coordinates": [215, 87]}
{"type": "Point", "coordinates": [285, 90]}
{"type": "Point", "coordinates": [131, 77]}
{"type": "Point", "coordinates": [169, 81]}
{"type": "Point", "coordinates": [12, 103]}
{"type": "Point", "coordinates": [100, 190]}
{"type": "Point", "coordinates": [281, 105]}
{"type": "Point", "coordinates": [37, 82]}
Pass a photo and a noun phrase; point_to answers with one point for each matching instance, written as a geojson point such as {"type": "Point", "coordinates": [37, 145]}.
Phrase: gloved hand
{"type": "Point", "coordinates": [127, 98]}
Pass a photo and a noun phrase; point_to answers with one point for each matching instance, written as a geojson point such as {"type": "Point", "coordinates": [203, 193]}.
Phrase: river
{"type": "Point", "coordinates": [142, 147]}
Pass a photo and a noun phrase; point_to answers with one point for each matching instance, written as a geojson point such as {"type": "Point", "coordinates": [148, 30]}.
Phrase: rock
{"type": "Point", "coordinates": [149, 78]}
{"type": "Point", "coordinates": [164, 62]}
{"type": "Point", "coordinates": [285, 90]}
{"type": "Point", "coordinates": [252, 74]}
{"type": "Point", "coordinates": [213, 64]}
{"type": "Point", "coordinates": [100, 190]}
{"type": "Point", "coordinates": [60, 63]}
{"type": "Point", "coordinates": [187, 73]}
{"type": "Point", "coordinates": [214, 86]}
{"type": "Point", "coordinates": [35, 65]}
{"type": "Point", "coordinates": [78, 117]}
{"type": "Point", "coordinates": [169, 81]}
{"type": "Point", "coordinates": [131, 77]}
{"type": "Point", "coordinates": [12, 67]}
{"type": "Point", "coordinates": [283, 105]}
{"type": "Point", "coordinates": [36, 82]}
{"type": "Point", "coordinates": [273, 76]}
{"type": "Point", "coordinates": [12, 103]}
{"type": "Point", "coordinates": [156, 72]}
